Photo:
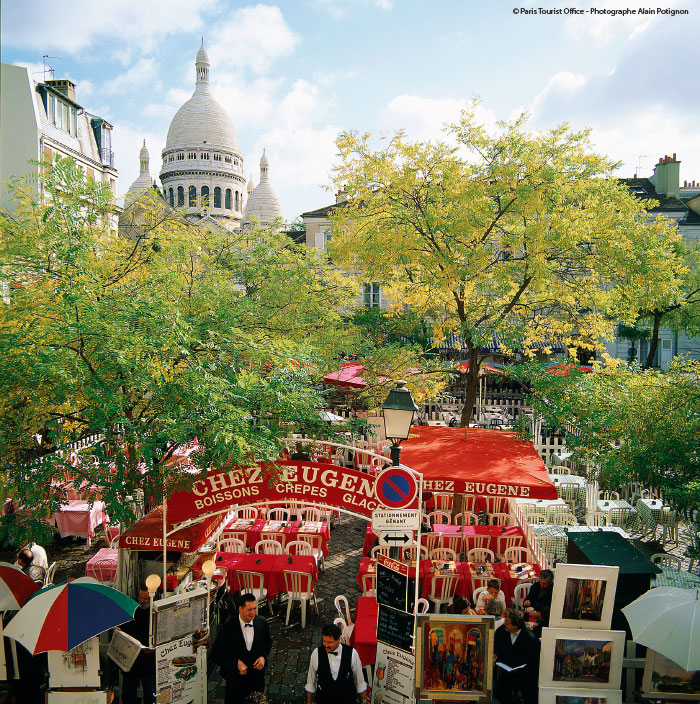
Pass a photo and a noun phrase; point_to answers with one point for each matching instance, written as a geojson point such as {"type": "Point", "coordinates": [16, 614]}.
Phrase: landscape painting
{"type": "Point", "coordinates": [582, 660]}
{"type": "Point", "coordinates": [664, 679]}
{"type": "Point", "coordinates": [584, 599]}
{"type": "Point", "coordinates": [583, 596]}
{"type": "Point", "coordinates": [564, 695]}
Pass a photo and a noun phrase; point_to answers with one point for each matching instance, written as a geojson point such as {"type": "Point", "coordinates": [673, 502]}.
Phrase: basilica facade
{"type": "Point", "coordinates": [202, 166]}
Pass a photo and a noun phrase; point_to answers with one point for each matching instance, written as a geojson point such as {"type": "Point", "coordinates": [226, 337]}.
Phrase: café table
{"type": "Point", "coordinates": [431, 568]}
{"type": "Point", "coordinates": [364, 634]}
{"type": "Point", "coordinates": [606, 506]}
{"type": "Point", "coordinates": [539, 505]}
{"type": "Point", "coordinates": [649, 512]}
{"type": "Point", "coordinates": [560, 534]}
{"type": "Point", "coordinates": [291, 530]}
{"type": "Point", "coordinates": [109, 571]}
{"type": "Point", "coordinates": [368, 565]}
{"type": "Point", "coordinates": [580, 482]}
{"type": "Point", "coordinates": [671, 577]}
{"type": "Point", "coordinates": [514, 572]}
{"type": "Point", "coordinates": [478, 574]}
{"type": "Point", "coordinates": [79, 518]}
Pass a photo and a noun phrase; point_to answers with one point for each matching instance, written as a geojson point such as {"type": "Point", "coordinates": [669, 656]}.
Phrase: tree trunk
{"type": "Point", "coordinates": [471, 387]}
{"type": "Point", "coordinates": [654, 342]}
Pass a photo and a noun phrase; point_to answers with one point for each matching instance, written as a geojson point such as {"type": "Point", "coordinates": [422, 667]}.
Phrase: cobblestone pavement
{"type": "Point", "coordinates": [292, 646]}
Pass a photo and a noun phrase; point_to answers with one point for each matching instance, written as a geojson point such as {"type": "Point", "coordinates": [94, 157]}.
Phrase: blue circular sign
{"type": "Point", "coordinates": [396, 488]}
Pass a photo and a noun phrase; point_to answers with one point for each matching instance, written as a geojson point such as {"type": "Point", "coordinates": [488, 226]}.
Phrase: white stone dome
{"type": "Point", "coordinates": [263, 202]}
{"type": "Point", "coordinates": [201, 120]}
{"type": "Point", "coordinates": [143, 182]}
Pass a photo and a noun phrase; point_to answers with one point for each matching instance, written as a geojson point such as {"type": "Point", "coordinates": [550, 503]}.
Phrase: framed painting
{"type": "Point", "coordinates": [454, 657]}
{"type": "Point", "coordinates": [663, 679]}
{"type": "Point", "coordinates": [555, 695]}
{"type": "Point", "coordinates": [583, 596]}
{"type": "Point", "coordinates": [581, 659]}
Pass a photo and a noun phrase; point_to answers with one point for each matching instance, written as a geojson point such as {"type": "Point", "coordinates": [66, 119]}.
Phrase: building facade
{"type": "Point", "coordinates": [41, 121]}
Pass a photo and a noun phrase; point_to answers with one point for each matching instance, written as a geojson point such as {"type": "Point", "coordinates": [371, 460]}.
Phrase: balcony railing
{"type": "Point", "coordinates": [107, 156]}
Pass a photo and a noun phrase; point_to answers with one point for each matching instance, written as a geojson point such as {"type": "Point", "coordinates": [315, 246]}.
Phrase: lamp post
{"type": "Point", "coordinates": [208, 568]}
{"type": "Point", "coordinates": [152, 584]}
{"type": "Point", "coordinates": [398, 410]}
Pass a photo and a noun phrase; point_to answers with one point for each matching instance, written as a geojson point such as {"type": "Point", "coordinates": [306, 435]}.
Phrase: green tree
{"type": "Point", "coordinates": [519, 237]}
{"type": "Point", "coordinates": [629, 424]}
{"type": "Point", "coordinates": [151, 339]}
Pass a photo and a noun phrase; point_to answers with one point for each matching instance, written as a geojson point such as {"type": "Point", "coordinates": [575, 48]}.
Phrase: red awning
{"type": "Point", "coordinates": [484, 369]}
{"type": "Point", "coordinates": [147, 534]}
{"type": "Point", "coordinates": [488, 463]}
{"type": "Point", "coordinates": [348, 375]}
{"type": "Point", "coordinates": [566, 369]}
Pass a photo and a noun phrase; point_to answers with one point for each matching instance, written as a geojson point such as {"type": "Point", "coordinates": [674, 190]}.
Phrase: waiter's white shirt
{"type": "Point", "coordinates": [40, 559]}
{"type": "Point", "coordinates": [248, 633]}
{"type": "Point", "coordinates": [334, 662]}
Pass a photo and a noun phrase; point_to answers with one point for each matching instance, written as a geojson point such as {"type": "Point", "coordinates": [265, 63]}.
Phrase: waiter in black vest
{"type": "Point", "coordinates": [335, 671]}
{"type": "Point", "coordinates": [241, 650]}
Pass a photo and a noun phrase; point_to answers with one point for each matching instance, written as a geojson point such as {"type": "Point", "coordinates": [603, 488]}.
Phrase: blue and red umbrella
{"type": "Point", "coordinates": [66, 615]}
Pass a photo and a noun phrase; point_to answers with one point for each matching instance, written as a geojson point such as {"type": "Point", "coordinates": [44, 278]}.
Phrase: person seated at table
{"type": "Point", "coordinates": [300, 453]}
{"type": "Point", "coordinates": [515, 647]}
{"type": "Point", "coordinates": [25, 561]}
{"type": "Point", "coordinates": [493, 591]}
{"type": "Point", "coordinates": [496, 608]}
{"type": "Point", "coordinates": [460, 605]}
{"type": "Point", "coordinates": [539, 599]}
{"type": "Point", "coordinates": [40, 559]}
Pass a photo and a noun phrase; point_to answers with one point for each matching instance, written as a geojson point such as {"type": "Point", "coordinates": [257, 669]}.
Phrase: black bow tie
{"type": "Point", "coordinates": [248, 625]}
{"type": "Point", "coordinates": [333, 652]}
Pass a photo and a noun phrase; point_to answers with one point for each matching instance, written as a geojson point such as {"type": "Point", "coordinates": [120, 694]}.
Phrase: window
{"type": "Point", "coordinates": [90, 174]}
{"type": "Point", "coordinates": [181, 156]}
{"type": "Point", "coordinates": [172, 197]}
{"type": "Point", "coordinates": [228, 199]}
{"type": "Point", "coordinates": [51, 108]}
{"type": "Point", "coordinates": [73, 122]}
{"type": "Point", "coordinates": [171, 158]}
{"type": "Point", "coordinates": [205, 196]}
{"type": "Point", "coordinates": [217, 197]}
{"type": "Point", "coordinates": [666, 345]}
{"type": "Point", "coordinates": [325, 238]}
{"type": "Point", "coordinates": [191, 155]}
{"type": "Point", "coordinates": [192, 197]}
{"type": "Point", "coordinates": [236, 200]}
{"type": "Point", "coordinates": [371, 295]}
{"type": "Point", "coordinates": [217, 157]}
{"type": "Point", "coordinates": [227, 159]}
{"type": "Point", "coordinates": [205, 155]}
{"type": "Point", "coordinates": [180, 196]}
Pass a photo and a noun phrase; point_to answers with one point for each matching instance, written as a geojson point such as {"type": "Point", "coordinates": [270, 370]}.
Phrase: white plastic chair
{"type": "Point", "coordinates": [555, 510]}
{"type": "Point", "coordinates": [569, 491]}
{"type": "Point", "coordinates": [280, 538]}
{"type": "Point", "coordinates": [608, 496]}
{"type": "Point", "coordinates": [232, 545]}
{"type": "Point", "coordinates": [344, 632]}
{"type": "Point", "coordinates": [596, 519]}
{"type": "Point", "coordinates": [454, 542]}
{"type": "Point", "coordinates": [300, 587]}
{"type": "Point", "coordinates": [268, 547]}
{"type": "Point", "coordinates": [517, 554]}
{"type": "Point", "coordinates": [476, 541]}
{"type": "Point", "coordinates": [503, 542]}
{"type": "Point", "coordinates": [442, 590]}
{"type": "Point", "coordinates": [534, 519]}
{"type": "Point", "coordinates": [369, 584]}
{"type": "Point", "coordinates": [441, 517]}
{"type": "Point", "coordinates": [309, 514]}
{"type": "Point", "coordinates": [298, 547]}
{"type": "Point", "coordinates": [442, 501]}
{"type": "Point", "coordinates": [564, 519]}
{"type": "Point", "coordinates": [411, 553]}
{"type": "Point", "coordinates": [278, 514]}
{"type": "Point", "coordinates": [48, 577]}
{"type": "Point", "coordinates": [343, 608]}
{"type": "Point", "coordinates": [501, 519]}
{"type": "Point", "coordinates": [380, 550]}
{"type": "Point", "coordinates": [466, 518]}
{"type": "Point", "coordinates": [316, 543]}
{"type": "Point", "coordinates": [422, 606]}
{"type": "Point", "coordinates": [443, 555]}
{"type": "Point", "coordinates": [105, 570]}
{"type": "Point", "coordinates": [522, 589]}
{"type": "Point", "coordinates": [663, 560]}
{"type": "Point", "coordinates": [247, 514]}
{"type": "Point", "coordinates": [481, 555]}
{"type": "Point", "coordinates": [253, 583]}
{"type": "Point", "coordinates": [237, 535]}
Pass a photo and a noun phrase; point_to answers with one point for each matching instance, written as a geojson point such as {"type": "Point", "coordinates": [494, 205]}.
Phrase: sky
{"type": "Point", "coordinates": [292, 75]}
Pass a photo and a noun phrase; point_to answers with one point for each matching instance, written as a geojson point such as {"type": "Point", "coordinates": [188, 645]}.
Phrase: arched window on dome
{"type": "Point", "coordinates": [217, 197]}
{"type": "Point", "coordinates": [172, 197]}
{"type": "Point", "coordinates": [228, 199]}
{"type": "Point", "coordinates": [192, 200]}
{"type": "Point", "coordinates": [205, 196]}
{"type": "Point", "coordinates": [180, 196]}
{"type": "Point", "coordinates": [236, 201]}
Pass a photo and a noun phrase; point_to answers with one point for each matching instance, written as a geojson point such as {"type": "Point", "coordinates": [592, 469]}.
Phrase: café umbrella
{"type": "Point", "coordinates": [66, 615]}
{"type": "Point", "coordinates": [667, 620]}
{"type": "Point", "coordinates": [15, 587]}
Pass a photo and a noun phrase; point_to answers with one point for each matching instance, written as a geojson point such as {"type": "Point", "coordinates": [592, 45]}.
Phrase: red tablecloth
{"type": "Point", "coordinates": [427, 578]}
{"type": "Point", "coordinates": [364, 635]}
{"type": "Point", "coordinates": [510, 577]}
{"type": "Point", "coordinates": [472, 570]}
{"type": "Point", "coordinates": [79, 518]}
{"type": "Point", "coordinates": [291, 530]}
{"type": "Point", "coordinates": [108, 571]}
{"type": "Point", "coordinates": [272, 568]}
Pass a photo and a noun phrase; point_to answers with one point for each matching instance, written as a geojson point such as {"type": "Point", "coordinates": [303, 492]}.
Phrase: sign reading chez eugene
{"type": "Point", "coordinates": [314, 482]}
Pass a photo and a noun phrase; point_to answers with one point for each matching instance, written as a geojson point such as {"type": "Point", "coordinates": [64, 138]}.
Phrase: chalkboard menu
{"type": "Point", "coordinates": [395, 628]}
{"type": "Point", "coordinates": [392, 587]}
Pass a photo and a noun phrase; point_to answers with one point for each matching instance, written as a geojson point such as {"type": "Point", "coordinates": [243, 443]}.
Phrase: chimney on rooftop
{"type": "Point", "coordinates": [666, 178]}
{"type": "Point", "coordinates": [341, 196]}
{"type": "Point", "coordinates": [63, 86]}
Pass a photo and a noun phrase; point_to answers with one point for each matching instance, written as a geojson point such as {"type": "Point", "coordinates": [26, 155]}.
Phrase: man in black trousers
{"type": "Point", "coordinates": [241, 651]}
{"type": "Point", "coordinates": [519, 650]}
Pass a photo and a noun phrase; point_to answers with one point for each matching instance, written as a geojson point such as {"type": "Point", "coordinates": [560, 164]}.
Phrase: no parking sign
{"type": "Point", "coordinates": [396, 487]}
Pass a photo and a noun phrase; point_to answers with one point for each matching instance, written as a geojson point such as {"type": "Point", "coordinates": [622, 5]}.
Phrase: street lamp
{"type": "Point", "coordinates": [208, 568]}
{"type": "Point", "coordinates": [152, 584]}
{"type": "Point", "coordinates": [398, 410]}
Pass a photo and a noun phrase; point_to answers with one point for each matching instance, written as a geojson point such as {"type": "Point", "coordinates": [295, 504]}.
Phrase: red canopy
{"type": "Point", "coordinates": [147, 534]}
{"type": "Point", "coordinates": [488, 463]}
{"type": "Point", "coordinates": [484, 369]}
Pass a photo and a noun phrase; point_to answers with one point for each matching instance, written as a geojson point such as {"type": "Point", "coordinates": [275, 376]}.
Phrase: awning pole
{"type": "Point", "coordinates": [165, 549]}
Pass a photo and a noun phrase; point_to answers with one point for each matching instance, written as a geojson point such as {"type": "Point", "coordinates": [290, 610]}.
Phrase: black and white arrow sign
{"type": "Point", "coordinates": [395, 538]}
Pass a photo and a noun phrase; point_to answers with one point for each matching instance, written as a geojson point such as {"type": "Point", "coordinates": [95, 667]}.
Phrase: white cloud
{"type": "Point", "coordinates": [562, 85]}
{"type": "Point", "coordinates": [341, 8]}
{"type": "Point", "coordinates": [607, 29]}
{"type": "Point", "coordinates": [72, 26]}
{"type": "Point", "coordinates": [141, 75]}
{"type": "Point", "coordinates": [425, 118]}
{"type": "Point", "coordinates": [254, 37]}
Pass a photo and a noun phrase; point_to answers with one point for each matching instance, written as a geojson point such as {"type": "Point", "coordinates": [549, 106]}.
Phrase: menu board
{"type": "Point", "coordinates": [181, 672]}
{"type": "Point", "coordinates": [179, 615]}
{"type": "Point", "coordinates": [395, 588]}
{"type": "Point", "coordinates": [395, 628]}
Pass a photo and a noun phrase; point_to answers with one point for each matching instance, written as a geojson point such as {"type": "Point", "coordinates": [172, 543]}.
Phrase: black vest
{"type": "Point", "coordinates": [342, 689]}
